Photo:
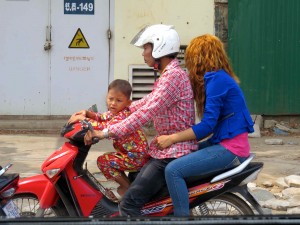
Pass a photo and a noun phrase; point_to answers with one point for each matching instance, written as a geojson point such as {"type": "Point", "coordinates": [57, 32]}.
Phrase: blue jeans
{"type": "Point", "coordinates": [208, 159]}
{"type": "Point", "coordinates": [147, 183]}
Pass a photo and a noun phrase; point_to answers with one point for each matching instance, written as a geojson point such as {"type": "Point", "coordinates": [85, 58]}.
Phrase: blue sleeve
{"type": "Point", "coordinates": [216, 90]}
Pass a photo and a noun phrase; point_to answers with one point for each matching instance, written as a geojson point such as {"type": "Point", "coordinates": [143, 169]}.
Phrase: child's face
{"type": "Point", "coordinates": [116, 101]}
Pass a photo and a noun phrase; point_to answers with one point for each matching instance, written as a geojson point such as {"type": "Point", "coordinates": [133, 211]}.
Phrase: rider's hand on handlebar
{"type": "Point", "coordinates": [88, 138]}
{"type": "Point", "coordinates": [78, 116]}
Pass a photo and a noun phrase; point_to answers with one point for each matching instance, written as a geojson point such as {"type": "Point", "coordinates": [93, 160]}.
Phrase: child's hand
{"type": "Point", "coordinates": [88, 137]}
{"type": "Point", "coordinates": [78, 116]}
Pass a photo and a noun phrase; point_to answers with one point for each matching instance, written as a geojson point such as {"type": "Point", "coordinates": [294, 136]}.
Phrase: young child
{"type": "Point", "coordinates": [131, 150]}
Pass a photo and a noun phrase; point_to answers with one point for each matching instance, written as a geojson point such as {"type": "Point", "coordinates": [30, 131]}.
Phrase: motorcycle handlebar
{"type": "Point", "coordinates": [91, 128]}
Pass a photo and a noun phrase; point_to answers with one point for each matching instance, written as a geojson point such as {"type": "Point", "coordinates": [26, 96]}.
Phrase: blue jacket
{"type": "Point", "coordinates": [225, 112]}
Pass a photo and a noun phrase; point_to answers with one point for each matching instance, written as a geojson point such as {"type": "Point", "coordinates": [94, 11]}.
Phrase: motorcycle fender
{"type": "Point", "coordinates": [41, 187]}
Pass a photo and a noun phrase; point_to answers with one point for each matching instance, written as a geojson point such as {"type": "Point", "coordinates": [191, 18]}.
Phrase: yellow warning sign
{"type": "Point", "coordinates": [79, 40]}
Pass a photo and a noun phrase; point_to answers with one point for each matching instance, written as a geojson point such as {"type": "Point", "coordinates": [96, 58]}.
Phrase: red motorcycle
{"type": "Point", "coordinates": [8, 186]}
{"type": "Point", "coordinates": [65, 188]}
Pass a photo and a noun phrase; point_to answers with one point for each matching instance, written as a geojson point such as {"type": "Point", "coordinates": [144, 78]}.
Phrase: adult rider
{"type": "Point", "coordinates": [171, 107]}
{"type": "Point", "coordinates": [222, 107]}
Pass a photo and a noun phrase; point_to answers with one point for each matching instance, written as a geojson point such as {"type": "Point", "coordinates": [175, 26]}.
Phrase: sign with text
{"type": "Point", "coordinates": [85, 7]}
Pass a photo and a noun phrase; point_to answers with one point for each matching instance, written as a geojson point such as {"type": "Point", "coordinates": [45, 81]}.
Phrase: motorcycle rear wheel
{"type": "Point", "coordinates": [28, 206]}
{"type": "Point", "coordinates": [224, 205]}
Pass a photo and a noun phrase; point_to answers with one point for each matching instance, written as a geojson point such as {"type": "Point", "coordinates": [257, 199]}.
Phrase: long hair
{"type": "Point", "coordinates": [204, 54]}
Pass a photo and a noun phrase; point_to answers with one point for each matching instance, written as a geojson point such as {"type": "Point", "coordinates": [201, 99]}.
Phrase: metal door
{"type": "Point", "coordinates": [24, 84]}
{"type": "Point", "coordinates": [264, 46]}
{"type": "Point", "coordinates": [79, 55]}
{"type": "Point", "coordinates": [42, 72]}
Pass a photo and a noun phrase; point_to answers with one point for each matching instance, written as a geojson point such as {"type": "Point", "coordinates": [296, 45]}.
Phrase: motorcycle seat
{"type": "Point", "coordinates": [235, 170]}
{"type": "Point", "coordinates": [217, 176]}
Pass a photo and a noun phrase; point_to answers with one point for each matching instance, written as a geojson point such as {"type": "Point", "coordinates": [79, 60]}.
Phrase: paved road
{"type": "Point", "coordinates": [27, 153]}
{"type": "Point", "coordinates": [279, 160]}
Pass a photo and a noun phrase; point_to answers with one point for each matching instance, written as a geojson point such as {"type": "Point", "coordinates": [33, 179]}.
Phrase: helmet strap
{"type": "Point", "coordinates": [156, 65]}
{"type": "Point", "coordinates": [156, 68]}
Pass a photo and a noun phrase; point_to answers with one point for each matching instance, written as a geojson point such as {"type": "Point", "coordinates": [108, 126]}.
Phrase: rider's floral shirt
{"type": "Point", "coordinates": [134, 144]}
{"type": "Point", "coordinates": [131, 150]}
{"type": "Point", "coordinates": [171, 107]}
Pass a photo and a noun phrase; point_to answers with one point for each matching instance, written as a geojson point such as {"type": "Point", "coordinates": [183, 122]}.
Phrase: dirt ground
{"type": "Point", "coordinates": [28, 151]}
{"type": "Point", "coordinates": [279, 160]}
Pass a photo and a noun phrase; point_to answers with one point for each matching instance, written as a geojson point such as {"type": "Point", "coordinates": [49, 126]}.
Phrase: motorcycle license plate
{"type": "Point", "coordinates": [11, 209]}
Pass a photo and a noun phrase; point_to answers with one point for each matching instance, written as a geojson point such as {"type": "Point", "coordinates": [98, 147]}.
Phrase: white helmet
{"type": "Point", "coordinates": [164, 38]}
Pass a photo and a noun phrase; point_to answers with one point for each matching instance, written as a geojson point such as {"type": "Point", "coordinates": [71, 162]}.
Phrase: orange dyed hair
{"type": "Point", "coordinates": [204, 54]}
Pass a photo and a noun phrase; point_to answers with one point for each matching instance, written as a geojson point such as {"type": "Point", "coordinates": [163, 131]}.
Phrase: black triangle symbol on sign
{"type": "Point", "coordinates": [79, 40]}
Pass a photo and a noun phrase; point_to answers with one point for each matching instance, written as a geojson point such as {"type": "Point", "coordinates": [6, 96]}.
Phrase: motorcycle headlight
{"type": "Point", "coordinates": [8, 193]}
{"type": "Point", "coordinates": [52, 173]}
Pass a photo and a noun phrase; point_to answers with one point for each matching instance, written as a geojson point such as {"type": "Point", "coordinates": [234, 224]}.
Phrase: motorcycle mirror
{"type": "Point", "coordinates": [93, 108]}
{"type": "Point", "coordinates": [5, 168]}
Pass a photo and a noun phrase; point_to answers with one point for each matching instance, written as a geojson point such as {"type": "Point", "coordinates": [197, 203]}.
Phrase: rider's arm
{"type": "Point", "coordinates": [96, 133]}
{"type": "Point", "coordinates": [185, 135]}
{"type": "Point", "coordinates": [81, 115]}
{"type": "Point", "coordinates": [77, 116]}
{"type": "Point", "coordinates": [161, 98]}
{"type": "Point", "coordinates": [165, 141]}
{"type": "Point", "coordinates": [99, 133]}
{"type": "Point", "coordinates": [135, 105]}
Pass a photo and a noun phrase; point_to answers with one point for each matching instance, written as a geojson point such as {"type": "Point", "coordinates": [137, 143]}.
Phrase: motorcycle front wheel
{"type": "Point", "coordinates": [224, 205]}
{"type": "Point", "coordinates": [29, 206]}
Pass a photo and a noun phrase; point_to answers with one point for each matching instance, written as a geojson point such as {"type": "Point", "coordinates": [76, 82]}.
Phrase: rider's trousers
{"type": "Point", "coordinates": [147, 183]}
{"type": "Point", "coordinates": [208, 159]}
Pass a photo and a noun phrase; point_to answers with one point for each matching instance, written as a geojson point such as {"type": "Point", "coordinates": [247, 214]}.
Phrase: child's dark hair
{"type": "Point", "coordinates": [122, 86]}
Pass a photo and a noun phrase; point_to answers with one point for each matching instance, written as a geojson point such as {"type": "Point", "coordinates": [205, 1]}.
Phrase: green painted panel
{"type": "Point", "coordinates": [264, 47]}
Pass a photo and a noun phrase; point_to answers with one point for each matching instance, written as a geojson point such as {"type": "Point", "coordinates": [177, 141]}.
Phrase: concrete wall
{"type": "Point", "coordinates": [190, 18]}
{"type": "Point", "coordinates": [47, 95]}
